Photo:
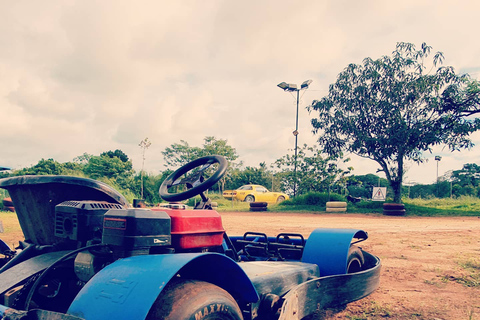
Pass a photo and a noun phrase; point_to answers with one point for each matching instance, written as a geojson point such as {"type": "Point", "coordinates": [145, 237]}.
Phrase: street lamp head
{"type": "Point", "coordinates": [438, 158]}
{"type": "Point", "coordinates": [287, 86]}
{"type": "Point", "coordinates": [305, 84]}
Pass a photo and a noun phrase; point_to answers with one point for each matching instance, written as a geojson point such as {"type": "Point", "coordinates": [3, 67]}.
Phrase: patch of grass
{"type": "Point", "coordinates": [437, 284]}
{"type": "Point", "coordinates": [472, 266]}
{"type": "Point", "coordinates": [461, 206]}
{"type": "Point", "coordinates": [373, 311]}
{"type": "Point", "coordinates": [316, 202]}
{"type": "Point", "coordinates": [9, 221]}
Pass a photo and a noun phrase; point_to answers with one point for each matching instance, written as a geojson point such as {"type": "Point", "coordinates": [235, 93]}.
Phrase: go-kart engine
{"type": "Point", "coordinates": [81, 221]}
{"type": "Point", "coordinates": [131, 231]}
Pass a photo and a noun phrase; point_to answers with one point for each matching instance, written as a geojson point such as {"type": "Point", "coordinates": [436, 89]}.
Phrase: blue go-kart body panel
{"type": "Point", "coordinates": [328, 248]}
{"type": "Point", "coordinates": [128, 288]}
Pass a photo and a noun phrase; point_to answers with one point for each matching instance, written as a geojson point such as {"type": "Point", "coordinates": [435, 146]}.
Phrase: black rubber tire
{"type": "Point", "coordinates": [249, 198]}
{"type": "Point", "coordinates": [258, 208]}
{"type": "Point", "coordinates": [194, 300]}
{"type": "Point", "coordinates": [355, 260]}
{"type": "Point", "coordinates": [11, 209]}
{"type": "Point", "coordinates": [393, 206]}
{"type": "Point", "coordinates": [399, 212]}
{"type": "Point", "coordinates": [7, 202]}
{"type": "Point", "coordinates": [280, 199]}
{"type": "Point", "coordinates": [258, 204]}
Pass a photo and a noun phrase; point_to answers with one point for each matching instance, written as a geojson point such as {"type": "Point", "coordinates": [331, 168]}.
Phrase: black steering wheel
{"type": "Point", "coordinates": [195, 182]}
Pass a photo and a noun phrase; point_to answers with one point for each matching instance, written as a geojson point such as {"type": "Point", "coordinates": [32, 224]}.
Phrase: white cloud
{"type": "Point", "coordinates": [88, 76]}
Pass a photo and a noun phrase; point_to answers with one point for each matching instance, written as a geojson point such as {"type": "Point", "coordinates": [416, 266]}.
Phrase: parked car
{"type": "Point", "coordinates": [255, 193]}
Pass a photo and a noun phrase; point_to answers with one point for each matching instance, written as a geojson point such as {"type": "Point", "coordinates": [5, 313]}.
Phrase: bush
{"type": "Point", "coordinates": [369, 204]}
{"type": "Point", "coordinates": [318, 199]}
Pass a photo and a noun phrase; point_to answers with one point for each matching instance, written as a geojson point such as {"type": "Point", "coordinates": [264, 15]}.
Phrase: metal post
{"type": "Point", "coordinates": [291, 88]}
{"type": "Point", "coordinates": [438, 158]}
{"type": "Point", "coordinates": [296, 141]}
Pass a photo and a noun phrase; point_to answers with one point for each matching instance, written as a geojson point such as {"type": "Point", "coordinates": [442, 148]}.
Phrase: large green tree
{"type": "Point", "coordinates": [43, 167]}
{"type": "Point", "coordinates": [469, 175]}
{"type": "Point", "coordinates": [179, 154]}
{"type": "Point", "coordinates": [109, 166]}
{"type": "Point", "coordinates": [396, 108]}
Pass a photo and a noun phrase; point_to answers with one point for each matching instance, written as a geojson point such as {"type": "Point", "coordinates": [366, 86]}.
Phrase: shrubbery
{"type": "Point", "coordinates": [319, 199]}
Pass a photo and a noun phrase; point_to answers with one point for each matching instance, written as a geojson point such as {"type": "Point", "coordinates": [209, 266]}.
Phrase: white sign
{"type": "Point", "coordinates": [379, 194]}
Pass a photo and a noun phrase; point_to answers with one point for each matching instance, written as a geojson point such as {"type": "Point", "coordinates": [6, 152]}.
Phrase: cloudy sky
{"type": "Point", "coordinates": [92, 76]}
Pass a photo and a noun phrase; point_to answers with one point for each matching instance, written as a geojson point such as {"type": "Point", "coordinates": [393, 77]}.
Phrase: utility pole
{"type": "Point", "coordinates": [438, 158]}
{"type": "Point", "coordinates": [292, 88]}
{"type": "Point", "coordinates": [144, 144]}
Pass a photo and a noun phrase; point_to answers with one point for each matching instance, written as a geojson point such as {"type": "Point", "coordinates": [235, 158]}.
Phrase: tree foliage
{"type": "Point", "coordinates": [395, 108]}
{"type": "Point", "coordinates": [44, 167]}
{"type": "Point", "coordinates": [117, 153]}
{"type": "Point", "coordinates": [179, 154]}
{"type": "Point", "coordinates": [104, 166]}
{"type": "Point", "coordinates": [315, 172]}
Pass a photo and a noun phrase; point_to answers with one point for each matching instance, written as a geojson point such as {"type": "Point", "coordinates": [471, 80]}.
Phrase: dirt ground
{"type": "Point", "coordinates": [430, 266]}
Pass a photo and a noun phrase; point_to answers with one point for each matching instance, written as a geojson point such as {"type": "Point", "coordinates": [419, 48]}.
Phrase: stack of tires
{"type": "Point", "coordinates": [258, 206]}
{"type": "Point", "coordinates": [8, 205]}
{"type": "Point", "coordinates": [394, 209]}
{"type": "Point", "coordinates": [336, 206]}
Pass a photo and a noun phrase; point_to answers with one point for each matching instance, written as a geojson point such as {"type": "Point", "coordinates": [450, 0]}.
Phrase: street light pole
{"type": "Point", "coordinates": [292, 88]}
{"type": "Point", "coordinates": [438, 158]}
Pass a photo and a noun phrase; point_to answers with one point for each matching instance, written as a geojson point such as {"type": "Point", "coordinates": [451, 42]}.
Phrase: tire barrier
{"type": "Point", "coordinates": [336, 206]}
{"type": "Point", "coordinates": [139, 203]}
{"type": "Point", "coordinates": [7, 202]}
{"type": "Point", "coordinates": [258, 206]}
{"type": "Point", "coordinates": [394, 209]}
{"type": "Point", "coordinates": [8, 205]}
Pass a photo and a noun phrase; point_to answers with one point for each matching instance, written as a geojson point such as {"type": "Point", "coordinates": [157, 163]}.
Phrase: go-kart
{"type": "Point", "coordinates": [87, 254]}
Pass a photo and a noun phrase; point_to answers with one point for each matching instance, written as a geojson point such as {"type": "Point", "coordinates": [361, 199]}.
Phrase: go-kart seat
{"type": "Point", "coordinates": [35, 198]}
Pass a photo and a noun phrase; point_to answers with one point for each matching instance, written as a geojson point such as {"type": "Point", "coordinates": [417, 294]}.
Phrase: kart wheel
{"type": "Point", "coordinates": [194, 300]}
{"type": "Point", "coordinates": [249, 198]}
{"type": "Point", "coordinates": [280, 199]}
{"type": "Point", "coordinates": [355, 260]}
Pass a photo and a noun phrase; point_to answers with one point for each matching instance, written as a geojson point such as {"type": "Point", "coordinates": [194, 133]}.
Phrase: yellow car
{"type": "Point", "coordinates": [254, 193]}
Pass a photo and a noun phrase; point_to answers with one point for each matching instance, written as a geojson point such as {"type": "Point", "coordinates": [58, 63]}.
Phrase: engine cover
{"type": "Point", "coordinates": [136, 229]}
{"type": "Point", "coordinates": [81, 220]}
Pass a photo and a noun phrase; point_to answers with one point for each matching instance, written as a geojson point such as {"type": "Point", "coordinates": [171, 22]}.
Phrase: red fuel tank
{"type": "Point", "coordinates": [192, 229]}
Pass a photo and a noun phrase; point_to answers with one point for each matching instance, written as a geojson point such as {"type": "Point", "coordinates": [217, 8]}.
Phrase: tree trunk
{"type": "Point", "coordinates": [397, 191]}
